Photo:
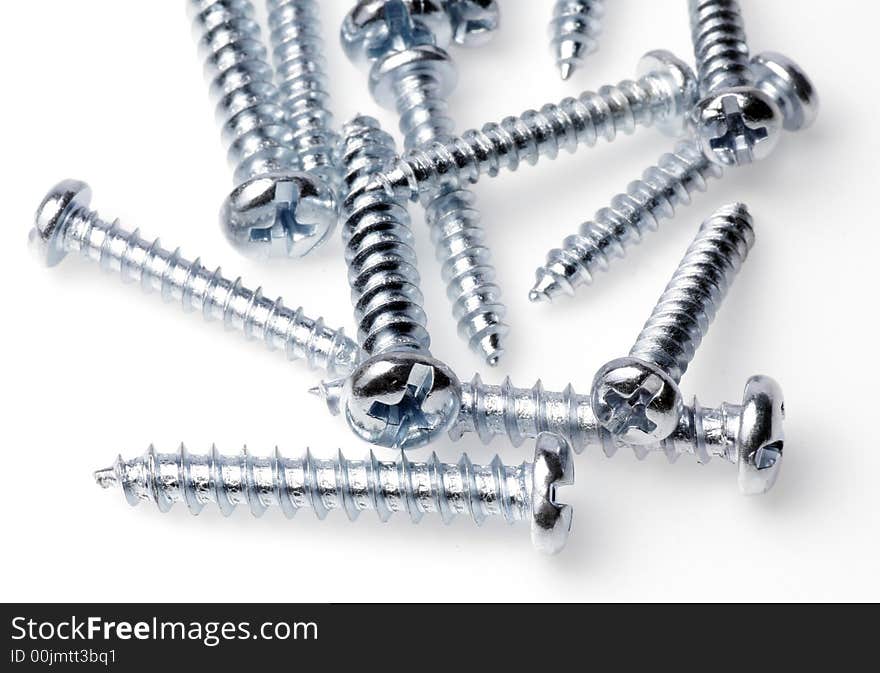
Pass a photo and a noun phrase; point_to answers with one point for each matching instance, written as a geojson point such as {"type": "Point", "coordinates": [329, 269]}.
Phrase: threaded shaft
{"type": "Point", "coordinates": [687, 307]}
{"type": "Point", "coordinates": [295, 35]}
{"type": "Point", "coordinates": [454, 221]}
{"type": "Point", "coordinates": [534, 134]}
{"type": "Point", "coordinates": [466, 265]}
{"type": "Point", "coordinates": [574, 32]}
{"type": "Point", "coordinates": [379, 248]}
{"type": "Point", "coordinates": [195, 287]}
{"type": "Point", "coordinates": [521, 413]}
{"type": "Point", "coordinates": [664, 186]}
{"type": "Point", "coordinates": [323, 485]}
{"type": "Point", "coordinates": [719, 45]}
{"type": "Point", "coordinates": [254, 125]}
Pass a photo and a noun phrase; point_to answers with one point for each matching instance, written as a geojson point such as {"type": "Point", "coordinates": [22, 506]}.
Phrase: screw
{"type": "Point", "coordinates": [670, 182]}
{"type": "Point", "coordinates": [735, 122]}
{"type": "Point", "coordinates": [65, 224]}
{"type": "Point", "coordinates": [413, 74]}
{"type": "Point", "coordinates": [297, 47]}
{"type": "Point", "coordinates": [474, 22]}
{"type": "Point", "coordinates": [401, 397]}
{"type": "Point", "coordinates": [662, 95]}
{"type": "Point", "coordinates": [637, 397]}
{"type": "Point", "coordinates": [574, 32]}
{"type": "Point", "coordinates": [525, 492]}
{"type": "Point", "coordinates": [275, 210]}
{"type": "Point", "coordinates": [750, 434]}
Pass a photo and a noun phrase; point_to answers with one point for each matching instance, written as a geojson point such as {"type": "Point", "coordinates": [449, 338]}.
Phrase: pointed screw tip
{"type": "Point", "coordinates": [566, 69]}
{"type": "Point", "coordinates": [106, 477]}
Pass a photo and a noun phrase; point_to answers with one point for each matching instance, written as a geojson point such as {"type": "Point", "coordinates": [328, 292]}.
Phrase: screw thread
{"type": "Point", "coordinates": [574, 32]}
{"type": "Point", "coordinates": [720, 47]}
{"type": "Point", "coordinates": [466, 264]}
{"type": "Point", "coordinates": [423, 110]}
{"type": "Point", "coordinates": [532, 135]}
{"type": "Point", "coordinates": [295, 35]}
{"type": "Point", "coordinates": [196, 287]}
{"type": "Point", "coordinates": [323, 485]}
{"type": "Point", "coordinates": [242, 82]}
{"type": "Point", "coordinates": [379, 247]}
{"type": "Point", "coordinates": [688, 305]}
{"type": "Point", "coordinates": [521, 413]}
{"type": "Point", "coordinates": [664, 186]}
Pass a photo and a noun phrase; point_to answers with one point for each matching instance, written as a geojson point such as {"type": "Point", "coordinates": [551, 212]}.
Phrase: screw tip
{"type": "Point", "coordinates": [566, 69]}
{"type": "Point", "coordinates": [105, 478]}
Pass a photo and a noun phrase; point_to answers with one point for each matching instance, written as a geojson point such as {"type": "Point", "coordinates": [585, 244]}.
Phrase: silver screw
{"type": "Point", "coordinates": [525, 492]}
{"type": "Point", "coordinates": [637, 397]}
{"type": "Point", "coordinates": [275, 209]}
{"type": "Point", "coordinates": [297, 47]}
{"type": "Point", "coordinates": [669, 183]}
{"type": "Point", "coordinates": [413, 74]}
{"type": "Point", "coordinates": [664, 92]}
{"type": "Point", "coordinates": [64, 223]}
{"type": "Point", "coordinates": [574, 32]}
{"type": "Point", "coordinates": [735, 122]}
{"type": "Point", "coordinates": [749, 435]}
{"type": "Point", "coordinates": [401, 397]}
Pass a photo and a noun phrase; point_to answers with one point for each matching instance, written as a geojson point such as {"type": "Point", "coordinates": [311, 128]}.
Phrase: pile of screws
{"type": "Point", "coordinates": [295, 178]}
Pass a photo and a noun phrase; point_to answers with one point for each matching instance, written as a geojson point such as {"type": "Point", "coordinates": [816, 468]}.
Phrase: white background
{"type": "Point", "coordinates": [112, 92]}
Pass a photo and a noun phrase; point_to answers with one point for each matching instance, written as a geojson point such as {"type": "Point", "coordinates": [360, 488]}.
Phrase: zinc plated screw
{"type": "Point", "coordinates": [525, 492]}
{"type": "Point", "coordinates": [297, 48]}
{"type": "Point", "coordinates": [275, 209]}
{"type": "Point", "coordinates": [64, 223]}
{"type": "Point", "coordinates": [412, 73]}
{"type": "Point", "coordinates": [574, 32]}
{"type": "Point", "coordinates": [749, 435]}
{"type": "Point", "coordinates": [671, 182]}
{"type": "Point", "coordinates": [637, 397]}
{"type": "Point", "coordinates": [400, 397]}
{"type": "Point", "coordinates": [662, 95]}
{"type": "Point", "coordinates": [735, 122]}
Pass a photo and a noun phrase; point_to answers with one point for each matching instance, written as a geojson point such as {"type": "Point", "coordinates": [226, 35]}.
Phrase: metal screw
{"type": "Point", "coordinates": [735, 122]}
{"type": "Point", "coordinates": [525, 492]}
{"type": "Point", "coordinates": [664, 92]}
{"type": "Point", "coordinates": [749, 435]}
{"type": "Point", "coordinates": [413, 74]}
{"type": "Point", "coordinates": [275, 210]}
{"type": "Point", "coordinates": [574, 32]}
{"type": "Point", "coordinates": [297, 47]}
{"type": "Point", "coordinates": [664, 186]}
{"type": "Point", "coordinates": [401, 397]}
{"type": "Point", "coordinates": [65, 224]}
{"type": "Point", "coordinates": [637, 397]}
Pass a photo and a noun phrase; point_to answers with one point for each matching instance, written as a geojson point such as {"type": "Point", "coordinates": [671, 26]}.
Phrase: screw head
{"type": "Point", "coordinates": [786, 83]}
{"type": "Point", "coordinates": [636, 401]}
{"type": "Point", "coordinates": [553, 467]}
{"type": "Point", "coordinates": [375, 28]}
{"type": "Point", "coordinates": [51, 218]}
{"type": "Point", "coordinates": [279, 215]}
{"type": "Point", "coordinates": [401, 400]}
{"type": "Point", "coordinates": [738, 126]}
{"type": "Point", "coordinates": [761, 438]}
{"type": "Point", "coordinates": [422, 59]}
{"type": "Point", "coordinates": [473, 21]}
{"type": "Point", "coordinates": [682, 88]}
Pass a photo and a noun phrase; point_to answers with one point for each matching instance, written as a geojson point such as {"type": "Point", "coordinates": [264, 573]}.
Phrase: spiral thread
{"type": "Point", "coordinates": [217, 297]}
{"type": "Point", "coordinates": [379, 248]}
{"type": "Point", "coordinates": [688, 305]}
{"type": "Point", "coordinates": [242, 83]}
{"type": "Point", "coordinates": [466, 267]}
{"type": "Point", "coordinates": [646, 202]}
{"type": "Point", "coordinates": [574, 32]}
{"type": "Point", "coordinates": [720, 47]}
{"type": "Point", "coordinates": [522, 413]}
{"type": "Point", "coordinates": [573, 122]}
{"type": "Point", "coordinates": [323, 485]}
{"type": "Point", "coordinates": [295, 36]}
{"type": "Point", "coordinates": [423, 111]}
